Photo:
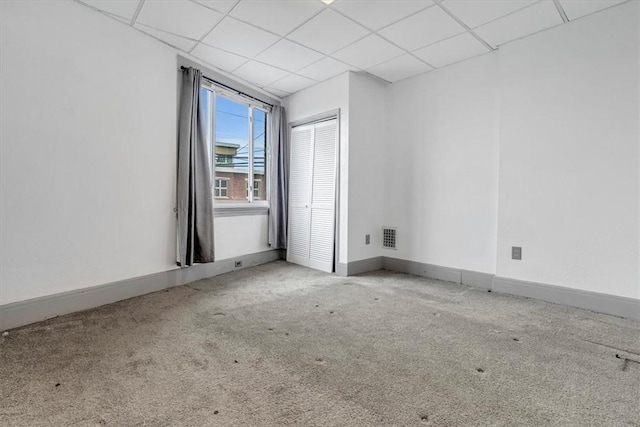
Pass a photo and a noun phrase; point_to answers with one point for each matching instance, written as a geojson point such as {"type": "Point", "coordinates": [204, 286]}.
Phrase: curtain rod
{"type": "Point", "coordinates": [239, 92]}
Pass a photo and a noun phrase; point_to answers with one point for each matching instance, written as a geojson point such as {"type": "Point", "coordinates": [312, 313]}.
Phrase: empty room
{"type": "Point", "coordinates": [320, 213]}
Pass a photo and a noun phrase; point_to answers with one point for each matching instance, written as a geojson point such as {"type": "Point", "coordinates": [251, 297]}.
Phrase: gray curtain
{"type": "Point", "coordinates": [194, 192]}
{"type": "Point", "coordinates": [279, 173]}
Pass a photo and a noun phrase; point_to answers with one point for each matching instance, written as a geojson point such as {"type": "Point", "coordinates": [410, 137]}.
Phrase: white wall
{"type": "Point", "coordinates": [240, 235]}
{"type": "Point", "coordinates": [550, 123]}
{"type": "Point", "coordinates": [88, 153]}
{"type": "Point", "coordinates": [368, 151]}
{"type": "Point", "coordinates": [569, 141]}
{"type": "Point", "coordinates": [327, 96]}
{"type": "Point", "coordinates": [442, 166]}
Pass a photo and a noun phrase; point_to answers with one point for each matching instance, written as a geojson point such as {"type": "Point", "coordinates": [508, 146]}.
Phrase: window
{"type": "Point", "coordinates": [256, 189]}
{"type": "Point", "coordinates": [221, 187]}
{"type": "Point", "coordinates": [238, 144]}
{"type": "Point", "coordinates": [224, 159]}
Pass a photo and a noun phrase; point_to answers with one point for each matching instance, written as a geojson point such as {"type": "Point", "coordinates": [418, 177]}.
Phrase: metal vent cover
{"type": "Point", "coordinates": [389, 237]}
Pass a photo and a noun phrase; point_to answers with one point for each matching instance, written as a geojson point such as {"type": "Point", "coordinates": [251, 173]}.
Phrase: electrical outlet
{"type": "Point", "coordinates": [367, 239]}
{"type": "Point", "coordinates": [238, 264]}
{"type": "Point", "coordinates": [516, 252]}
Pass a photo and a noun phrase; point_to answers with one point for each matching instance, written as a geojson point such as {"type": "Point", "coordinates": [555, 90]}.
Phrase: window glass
{"type": "Point", "coordinates": [232, 147]}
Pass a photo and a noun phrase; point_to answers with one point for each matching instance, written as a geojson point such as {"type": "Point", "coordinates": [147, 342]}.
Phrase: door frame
{"type": "Point", "coordinates": [317, 118]}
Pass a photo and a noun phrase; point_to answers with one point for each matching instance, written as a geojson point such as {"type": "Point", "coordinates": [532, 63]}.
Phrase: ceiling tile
{"type": "Point", "coordinates": [377, 14]}
{"type": "Point", "coordinates": [259, 74]}
{"type": "Point", "coordinates": [288, 55]}
{"type": "Point", "coordinates": [519, 24]}
{"type": "Point", "coordinates": [324, 69]}
{"type": "Point", "coordinates": [181, 43]}
{"type": "Point", "coordinates": [423, 28]}
{"type": "Point", "coordinates": [478, 12]}
{"type": "Point", "coordinates": [222, 6]}
{"type": "Point", "coordinates": [234, 36]}
{"type": "Point", "coordinates": [451, 50]}
{"type": "Point", "coordinates": [370, 51]}
{"type": "Point", "coordinates": [291, 83]}
{"type": "Point", "coordinates": [328, 32]}
{"type": "Point", "coordinates": [224, 60]}
{"type": "Point", "coordinates": [399, 68]}
{"type": "Point", "coordinates": [278, 16]}
{"type": "Point", "coordinates": [180, 17]}
{"type": "Point", "coordinates": [124, 9]}
{"type": "Point", "coordinates": [577, 8]}
{"type": "Point", "coordinates": [276, 92]}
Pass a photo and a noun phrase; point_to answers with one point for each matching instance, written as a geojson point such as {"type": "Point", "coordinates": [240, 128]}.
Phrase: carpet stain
{"type": "Point", "coordinates": [201, 364]}
{"type": "Point", "coordinates": [210, 346]}
{"type": "Point", "coordinates": [139, 366]}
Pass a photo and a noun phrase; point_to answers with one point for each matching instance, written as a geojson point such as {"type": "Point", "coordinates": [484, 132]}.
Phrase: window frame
{"type": "Point", "coordinates": [254, 205]}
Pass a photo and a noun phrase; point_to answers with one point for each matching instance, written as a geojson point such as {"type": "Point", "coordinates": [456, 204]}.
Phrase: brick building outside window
{"type": "Point", "coordinates": [231, 182]}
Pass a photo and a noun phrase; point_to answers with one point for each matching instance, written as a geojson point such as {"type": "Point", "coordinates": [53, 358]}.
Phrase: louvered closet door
{"type": "Point", "coordinates": [323, 191]}
{"type": "Point", "coordinates": [300, 194]}
{"type": "Point", "coordinates": [313, 185]}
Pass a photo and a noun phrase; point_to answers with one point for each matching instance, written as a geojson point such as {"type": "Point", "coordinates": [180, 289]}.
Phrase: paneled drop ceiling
{"type": "Point", "coordinates": [284, 46]}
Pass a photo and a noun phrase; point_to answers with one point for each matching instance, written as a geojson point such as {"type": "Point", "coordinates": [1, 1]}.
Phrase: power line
{"type": "Point", "coordinates": [232, 114]}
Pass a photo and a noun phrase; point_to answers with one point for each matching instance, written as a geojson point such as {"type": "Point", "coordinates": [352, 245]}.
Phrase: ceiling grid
{"type": "Point", "coordinates": [283, 46]}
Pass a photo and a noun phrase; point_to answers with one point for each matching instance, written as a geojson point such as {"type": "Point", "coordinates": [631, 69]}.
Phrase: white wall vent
{"type": "Point", "coordinates": [389, 237]}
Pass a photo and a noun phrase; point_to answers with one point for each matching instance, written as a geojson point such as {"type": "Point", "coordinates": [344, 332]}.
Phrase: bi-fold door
{"type": "Point", "coordinates": [312, 195]}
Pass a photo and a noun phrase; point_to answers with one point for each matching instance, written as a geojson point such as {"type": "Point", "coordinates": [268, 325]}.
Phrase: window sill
{"type": "Point", "coordinates": [240, 209]}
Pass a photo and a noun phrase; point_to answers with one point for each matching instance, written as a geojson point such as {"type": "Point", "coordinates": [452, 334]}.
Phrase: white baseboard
{"type": "Point", "coordinates": [34, 310]}
{"type": "Point", "coordinates": [37, 309]}
{"type": "Point", "coordinates": [595, 301]}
